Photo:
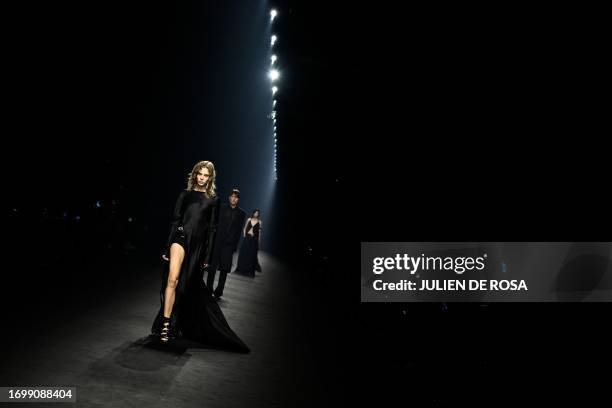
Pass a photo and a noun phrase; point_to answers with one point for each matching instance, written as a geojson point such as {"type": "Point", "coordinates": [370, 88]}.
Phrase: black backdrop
{"type": "Point", "coordinates": [407, 124]}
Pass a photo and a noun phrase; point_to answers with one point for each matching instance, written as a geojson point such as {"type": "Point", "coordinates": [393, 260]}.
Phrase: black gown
{"type": "Point", "coordinates": [247, 258]}
{"type": "Point", "coordinates": [196, 316]}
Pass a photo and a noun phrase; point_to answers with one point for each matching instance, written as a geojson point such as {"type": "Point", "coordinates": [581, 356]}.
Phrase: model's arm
{"type": "Point", "coordinates": [236, 237]}
{"type": "Point", "coordinates": [260, 229]}
{"type": "Point", "coordinates": [244, 232]}
{"type": "Point", "coordinates": [212, 232]}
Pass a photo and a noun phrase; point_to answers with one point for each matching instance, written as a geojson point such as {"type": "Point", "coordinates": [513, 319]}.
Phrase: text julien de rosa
{"type": "Point", "coordinates": [457, 264]}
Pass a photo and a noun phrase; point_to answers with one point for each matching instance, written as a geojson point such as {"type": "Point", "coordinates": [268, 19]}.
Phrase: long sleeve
{"type": "Point", "coordinates": [212, 230]}
{"type": "Point", "coordinates": [236, 233]}
{"type": "Point", "coordinates": [177, 217]}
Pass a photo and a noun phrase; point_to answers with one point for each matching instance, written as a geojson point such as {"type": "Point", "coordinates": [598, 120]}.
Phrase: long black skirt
{"type": "Point", "coordinates": [196, 316]}
{"type": "Point", "coordinates": [247, 258]}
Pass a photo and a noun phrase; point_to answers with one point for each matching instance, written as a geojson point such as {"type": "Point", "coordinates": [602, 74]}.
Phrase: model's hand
{"type": "Point", "coordinates": [165, 258]}
{"type": "Point", "coordinates": [204, 265]}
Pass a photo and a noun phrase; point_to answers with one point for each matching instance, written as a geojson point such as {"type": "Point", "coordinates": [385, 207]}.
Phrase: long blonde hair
{"type": "Point", "coordinates": [211, 187]}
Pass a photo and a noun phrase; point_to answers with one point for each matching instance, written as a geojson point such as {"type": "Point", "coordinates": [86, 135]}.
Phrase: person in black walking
{"type": "Point", "coordinates": [247, 258]}
{"type": "Point", "coordinates": [231, 220]}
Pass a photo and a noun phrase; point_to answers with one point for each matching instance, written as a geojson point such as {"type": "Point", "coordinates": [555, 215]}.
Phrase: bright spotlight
{"type": "Point", "coordinates": [273, 59]}
{"type": "Point", "coordinates": [274, 103]}
{"type": "Point", "coordinates": [274, 74]}
{"type": "Point", "coordinates": [274, 90]}
{"type": "Point", "coordinates": [273, 39]}
{"type": "Point", "coordinates": [273, 14]}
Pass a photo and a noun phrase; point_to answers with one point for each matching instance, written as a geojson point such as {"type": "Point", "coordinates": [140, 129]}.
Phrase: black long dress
{"type": "Point", "coordinates": [196, 316]}
{"type": "Point", "coordinates": [247, 258]}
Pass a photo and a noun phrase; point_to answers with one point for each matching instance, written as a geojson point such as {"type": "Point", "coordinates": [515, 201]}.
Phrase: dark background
{"type": "Point", "coordinates": [413, 124]}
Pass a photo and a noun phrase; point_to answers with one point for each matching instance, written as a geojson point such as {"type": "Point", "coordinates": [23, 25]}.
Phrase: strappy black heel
{"type": "Point", "coordinates": [165, 331]}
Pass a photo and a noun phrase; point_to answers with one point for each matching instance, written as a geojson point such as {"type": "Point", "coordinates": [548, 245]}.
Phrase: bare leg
{"type": "Point", "coordinates": [177, 254]}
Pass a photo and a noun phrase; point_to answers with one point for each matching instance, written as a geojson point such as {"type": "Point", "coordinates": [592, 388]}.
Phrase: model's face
{"type": "Point", "coordinates": [202, 177]}
{"type": "Point", "coordinates": [233, 199]}
{"type": "Point", "coordinates": [256, 214]}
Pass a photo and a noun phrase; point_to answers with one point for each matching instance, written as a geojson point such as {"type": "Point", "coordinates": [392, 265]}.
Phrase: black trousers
{"type": "Point", "coordinates": [222, 260]}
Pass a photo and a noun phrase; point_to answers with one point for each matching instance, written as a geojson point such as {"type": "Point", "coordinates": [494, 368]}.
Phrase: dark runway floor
{"type": "Point", "coordinates": [89, 338]}
{"type": "Point", "coordinates": [313, 344]}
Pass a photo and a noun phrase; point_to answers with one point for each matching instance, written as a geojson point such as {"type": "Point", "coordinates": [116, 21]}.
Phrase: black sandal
{"type": "Point", "coordinates": [165, 331]}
